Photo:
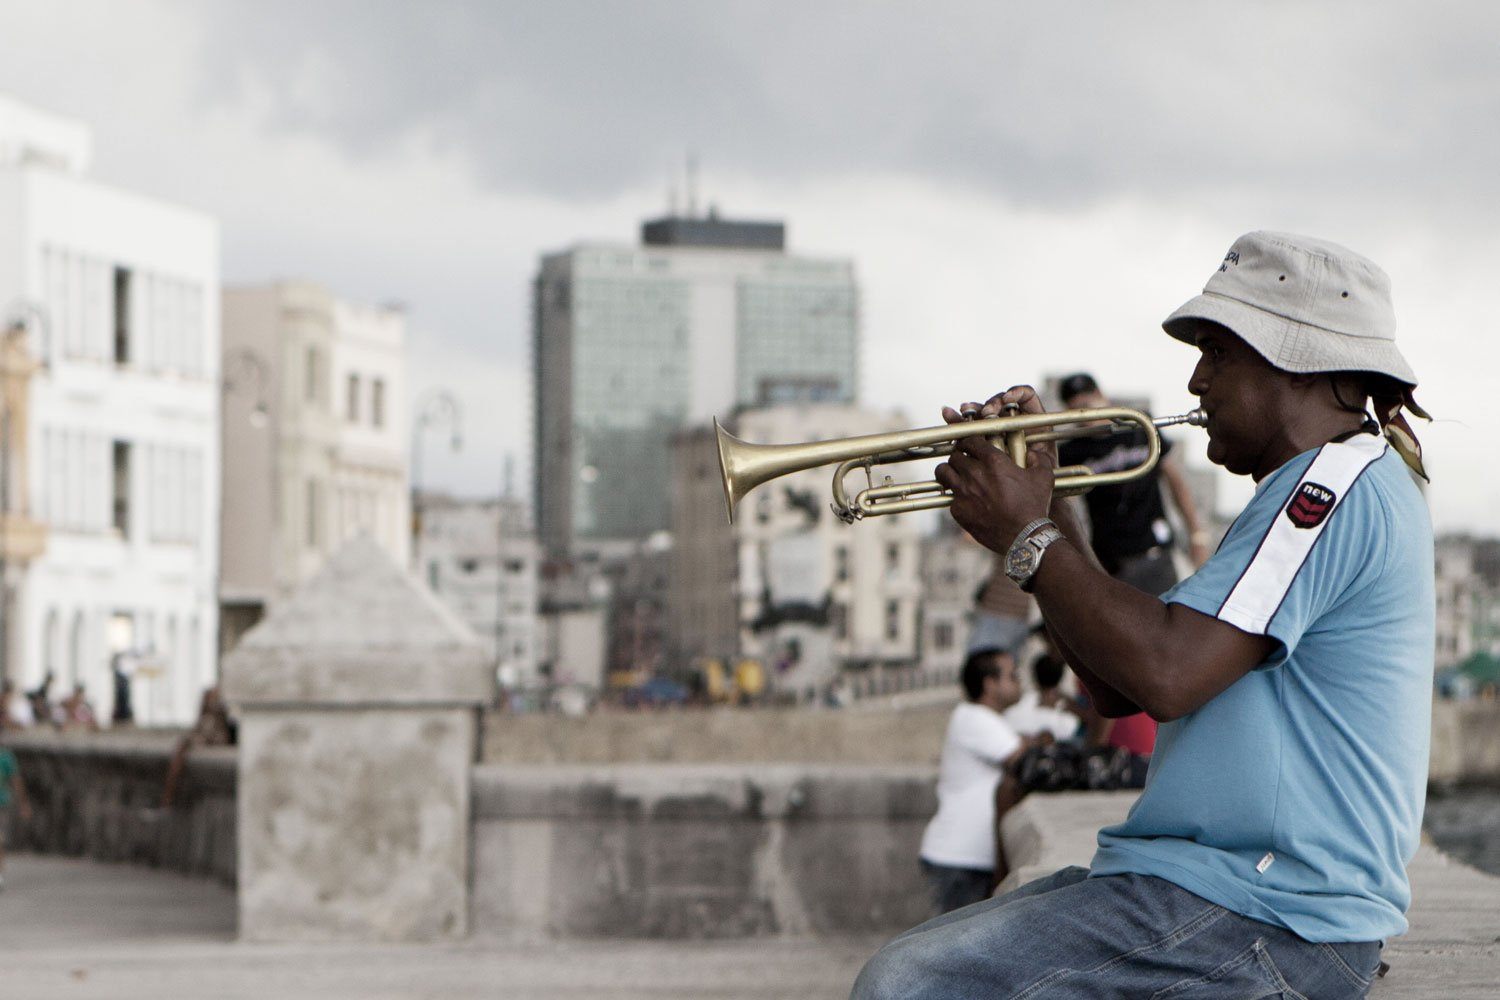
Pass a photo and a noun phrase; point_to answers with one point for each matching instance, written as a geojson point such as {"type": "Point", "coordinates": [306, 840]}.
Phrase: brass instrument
{"type": "Point", "coordinates": [745, 466]}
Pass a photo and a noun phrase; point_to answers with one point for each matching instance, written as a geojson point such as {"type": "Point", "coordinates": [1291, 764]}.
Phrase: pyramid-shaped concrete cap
{"type": "Point", "coordinates": [361, 631]}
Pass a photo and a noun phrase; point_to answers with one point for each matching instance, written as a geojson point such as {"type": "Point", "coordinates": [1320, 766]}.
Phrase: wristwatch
{"type": "Point", "coordinates": [1025, 555]}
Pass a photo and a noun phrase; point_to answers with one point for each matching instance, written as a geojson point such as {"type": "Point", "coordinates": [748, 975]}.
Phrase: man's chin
{"type": "Point", "coordinates": [1219, 455]}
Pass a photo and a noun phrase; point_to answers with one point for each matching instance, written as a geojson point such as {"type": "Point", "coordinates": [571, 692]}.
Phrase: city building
{"type": "Point", "coordinates": [954, 569]}
{"type": "Point", "coordinates": [1467, 578]}
{"type": "Point", "coordinates": [792, 585]}
{"type": "Point", "coordinates": [634, 343]}
{"type": "Point", "coordinates": [111, 466]}
{"type": "Point", "coordinates": [573, 645]}
{"type": "Point", "coordinates": [315, 424]}
{"type": "Point", "coordinates": [481, 558]}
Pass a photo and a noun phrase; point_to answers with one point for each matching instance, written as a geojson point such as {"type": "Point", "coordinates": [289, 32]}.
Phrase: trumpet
{"type": "Point", "coordinates": [744, 466]}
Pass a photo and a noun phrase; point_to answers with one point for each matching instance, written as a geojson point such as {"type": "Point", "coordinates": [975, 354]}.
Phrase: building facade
{"type": "Point", "coordinates": [1467, 581]}
{"type": "Point", "coordinates": [481, 558]}
{"type": "Point", "coordinates": [633, 343]}
{"type": "Point", "coordinates": [954, 570]}
{"type": "Point", "coordinates": [795, 587]}
{"type": "Point", "coordinates": [315, 422]}
{"type": "Point", "coordinates": [118, 298]}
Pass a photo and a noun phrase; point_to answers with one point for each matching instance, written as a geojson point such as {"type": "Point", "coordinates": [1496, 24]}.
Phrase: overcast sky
{"type": "Point", "coordinates": [1024, 188]}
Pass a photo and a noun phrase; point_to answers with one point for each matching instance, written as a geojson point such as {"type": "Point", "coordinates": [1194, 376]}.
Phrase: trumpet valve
{"type": "Point", "coordinates": [846, 514]}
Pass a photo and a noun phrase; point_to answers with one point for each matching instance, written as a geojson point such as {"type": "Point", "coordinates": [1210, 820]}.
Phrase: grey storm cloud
{"type": "Point", "coordinates": [1054, 103]}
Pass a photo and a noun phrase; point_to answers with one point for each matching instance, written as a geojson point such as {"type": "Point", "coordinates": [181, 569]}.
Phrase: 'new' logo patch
{"type": "Point", "coordinates": [1310, 505]}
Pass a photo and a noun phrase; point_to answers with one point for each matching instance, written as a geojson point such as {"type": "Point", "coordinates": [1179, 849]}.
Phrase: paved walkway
{"type": "Point", "coordinates": [78, 930]}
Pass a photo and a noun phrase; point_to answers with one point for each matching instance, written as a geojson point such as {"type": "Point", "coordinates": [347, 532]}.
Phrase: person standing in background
{"type": "Point", "coordinates": [12, 789]}
{"type": "Point", "coordinates": [1129, 530]}
{"type": "Point", "coordinates": [1130, 533]}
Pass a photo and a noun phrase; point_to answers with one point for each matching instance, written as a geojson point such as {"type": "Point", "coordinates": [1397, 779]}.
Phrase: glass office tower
{"type": "Point", "coordinates": [633, 344]}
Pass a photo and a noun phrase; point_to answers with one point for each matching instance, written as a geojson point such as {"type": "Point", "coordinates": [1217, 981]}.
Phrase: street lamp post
{"type": "Point", "coordinates": [435, 408]}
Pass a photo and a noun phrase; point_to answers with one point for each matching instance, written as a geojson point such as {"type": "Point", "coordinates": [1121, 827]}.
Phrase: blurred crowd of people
{"type": "Point", "coordinates": [37, 707]}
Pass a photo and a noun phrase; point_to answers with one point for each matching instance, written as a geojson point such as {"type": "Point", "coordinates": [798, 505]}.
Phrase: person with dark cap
{"type": "Point", "coordinates": [1292, 673]}
{"type": "Point", "coordinates": [1128, 524]}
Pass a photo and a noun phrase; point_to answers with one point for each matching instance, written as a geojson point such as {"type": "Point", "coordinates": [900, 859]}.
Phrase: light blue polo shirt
{"type": "Point", "coordinates": [1295, 796]}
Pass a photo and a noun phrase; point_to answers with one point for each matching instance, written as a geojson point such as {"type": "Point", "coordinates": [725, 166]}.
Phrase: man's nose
{"type": "Point", "coordinates": [1198, 381]}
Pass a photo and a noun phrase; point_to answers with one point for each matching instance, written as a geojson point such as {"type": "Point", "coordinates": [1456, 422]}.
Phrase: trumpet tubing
{"type": "Point", "coordinates": [744, 466]}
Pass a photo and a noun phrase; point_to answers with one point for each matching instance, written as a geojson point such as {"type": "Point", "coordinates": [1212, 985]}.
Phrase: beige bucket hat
{"type": "Point", "coordinates": [1307, 305]}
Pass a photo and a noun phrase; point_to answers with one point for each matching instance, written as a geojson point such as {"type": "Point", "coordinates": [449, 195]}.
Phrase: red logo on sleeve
{"type": "Point", "coordinates": [1310, 505]}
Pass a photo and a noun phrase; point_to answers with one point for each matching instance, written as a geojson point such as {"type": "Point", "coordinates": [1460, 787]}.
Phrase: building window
{"type": "Point", "coordinates": [122, 315]}
{"type": "Point", "coordinates": [377, 402]}
{"type": "Point", "coordinates": [838, 617]}
{"type": "Point", "coordinates": [121, 481]}
{"type": "Point", "coordinates": [942, 635]}
{"type": "Point", "coordinates": [432, 574]}
{"type": "Point", "coordinates": [352, 403]}
{"type": "Point", "coordinates": [893, 619]}
{"type": "Point", "coordinates": [313, 514]}
{"type": "Point", "coordinates": [841, 563]}
{"type": "Point", "coordinates": [314, 363]}
{"type": "Point", "coordinates": [892, 558]}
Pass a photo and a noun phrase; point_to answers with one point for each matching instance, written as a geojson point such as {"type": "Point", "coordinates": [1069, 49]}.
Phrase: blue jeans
{"type": "Point", "coordinates": [1130, 937]}
{"type": "Point", "coordinates": [954, 888]}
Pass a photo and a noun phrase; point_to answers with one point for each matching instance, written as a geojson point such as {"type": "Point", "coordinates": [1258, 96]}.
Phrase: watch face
{"type": "Point", "coordinates": [1020, 562]}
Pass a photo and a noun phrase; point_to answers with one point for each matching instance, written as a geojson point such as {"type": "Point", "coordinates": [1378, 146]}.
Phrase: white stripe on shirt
{"type": "Point", "coordinates": [1261, 588]}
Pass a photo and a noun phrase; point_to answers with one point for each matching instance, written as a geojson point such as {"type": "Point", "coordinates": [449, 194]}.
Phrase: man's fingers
{"type": "Point", "coordinates": [1023, 397]}
{"type": "Point", "coordinates": [1042, 453]}
{"type": "Point", "coordinates": [945, 475]}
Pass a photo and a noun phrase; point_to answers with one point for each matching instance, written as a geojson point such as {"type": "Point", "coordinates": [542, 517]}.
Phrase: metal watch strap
{"type": "Point", "coordinates": [1025, 532]}
{"type": "Point", "coordinates": [1040, 541]}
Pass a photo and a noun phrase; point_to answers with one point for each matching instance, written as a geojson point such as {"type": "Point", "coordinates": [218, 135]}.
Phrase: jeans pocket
{"type": "Point", "coordinates": [1250, 974]}
{"type": "Point", "coordinates": [1349, 959]}
{"type": "Point", "coordinates": [1322, 970]}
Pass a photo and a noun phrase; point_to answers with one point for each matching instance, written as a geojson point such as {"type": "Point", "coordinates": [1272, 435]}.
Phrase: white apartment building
{"type": "Point", "coordinates": [482, 559]}
{"type": "Point", "coordinates": [119, 296]}
{"type": "Point", "coordinates": [791, 584]}
{"type": "Point", "coordinates": [315, 429]}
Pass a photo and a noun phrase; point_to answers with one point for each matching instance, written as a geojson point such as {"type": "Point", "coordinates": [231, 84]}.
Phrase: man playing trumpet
{"type": "Point", "coordinates": [1291, 673]}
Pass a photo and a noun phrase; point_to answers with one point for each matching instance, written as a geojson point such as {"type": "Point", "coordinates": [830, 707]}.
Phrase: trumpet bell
{"type": "Point", "coordinates": [729, 446]}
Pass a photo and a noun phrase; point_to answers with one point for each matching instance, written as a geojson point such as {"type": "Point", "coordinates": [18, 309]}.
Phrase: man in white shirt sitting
{"type": "Point", "coordinates": [1045, 708]}
{"type": "Point", "coordinates": [959, 855]}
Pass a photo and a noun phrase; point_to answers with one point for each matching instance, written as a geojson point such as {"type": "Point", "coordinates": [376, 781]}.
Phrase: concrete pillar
{"type": "Point", "coordinates": [358, 704]}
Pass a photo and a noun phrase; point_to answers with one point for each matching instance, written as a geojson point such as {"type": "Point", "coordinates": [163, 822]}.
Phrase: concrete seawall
{"type": "Point", "coordinates": [755, 847]}
{"type": "Point", "coordinates": [899, 732]}
{"type": "Point", "coordinates": [1465, 742]}
{"type": "Point", "coordinates": [98, 796]}
{"type": "Point", "coordinates": [701, 851]}
{"type": "Point", "coordinates": [904, 730]}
